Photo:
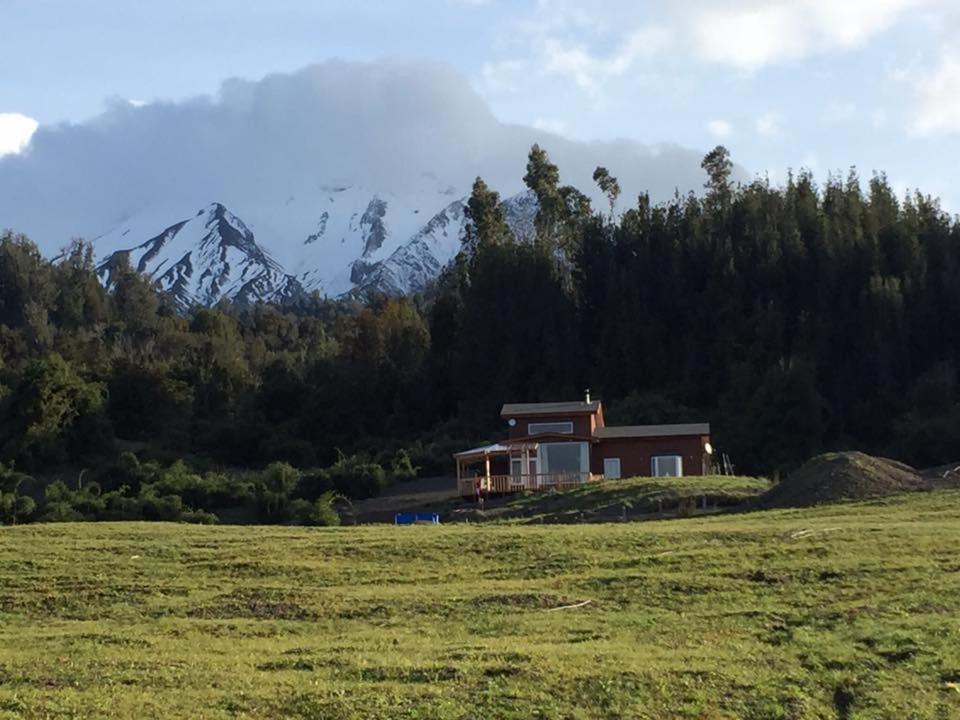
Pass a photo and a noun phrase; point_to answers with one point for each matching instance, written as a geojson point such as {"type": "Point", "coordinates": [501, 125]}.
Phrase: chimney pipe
{"type": "Point", "coordinates": [587, 398]}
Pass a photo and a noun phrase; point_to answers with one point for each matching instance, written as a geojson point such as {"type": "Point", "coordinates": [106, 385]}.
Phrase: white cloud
{"type": "Point", "coordinates": [938, 110]}
{"type": "Point", "coordinates": [15, 132]}
{"type": "Point", "coordinates": [551, 125]}
{"type": "Point", "coordinates": [745, 34]}
{"type": "Point", "coordinates": [750, 35]}
{"type": "Point", "coordinates": [588, 70]}
{"type": "Point", "coordinates": [720, 129]}
{"type": "Point", "coordinates": [392, 127]}
{"type": "Point", "coordinates": [768, 125]}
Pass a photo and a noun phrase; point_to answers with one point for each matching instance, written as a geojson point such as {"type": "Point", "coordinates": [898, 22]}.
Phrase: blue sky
{"type": "Point", "coordinates": [824, 84]}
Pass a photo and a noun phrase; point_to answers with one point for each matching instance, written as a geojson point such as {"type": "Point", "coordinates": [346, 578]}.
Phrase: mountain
{"type": "Point", "coordinates": [214, 255]}
{"type": "Point", "coordinates": [336, 178]}
{"type": "Point", "coordinates": [202, 260]}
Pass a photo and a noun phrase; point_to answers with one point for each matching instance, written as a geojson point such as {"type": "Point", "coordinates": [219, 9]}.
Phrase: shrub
{"type": "Point", "coordinates": [402, 468]}
{"type": "Point", "coordinates": [323, 513]}
{"type": "Point", "coordinates": [357, 478]}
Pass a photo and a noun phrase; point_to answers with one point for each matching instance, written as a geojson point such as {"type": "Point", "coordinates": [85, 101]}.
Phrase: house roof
{"type": "Point", "coordinates": [637, 431]}
{"type": "Point", "coordinates": [483, 450]}
{"type": "Point", "coordinates": [550, 408]}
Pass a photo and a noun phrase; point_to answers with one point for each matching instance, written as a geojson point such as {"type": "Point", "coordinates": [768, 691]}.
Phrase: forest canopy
{"type": "Point", "coordinates": [795, 318]}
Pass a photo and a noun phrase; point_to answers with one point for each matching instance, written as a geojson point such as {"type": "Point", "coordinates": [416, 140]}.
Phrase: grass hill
{"type": "Point", "coordinates": [844, 611]}
{"type": "Point", "coordinates": [628, 499]}
{"type": "Point", "coordinates": [843, 476]}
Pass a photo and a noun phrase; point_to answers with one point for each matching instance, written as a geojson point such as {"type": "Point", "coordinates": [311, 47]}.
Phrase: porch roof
{"type": "Point", "coordinates": [500, 448]}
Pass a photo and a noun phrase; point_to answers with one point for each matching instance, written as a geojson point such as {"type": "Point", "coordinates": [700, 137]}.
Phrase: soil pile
{"type": "Point", "coordinates": [842, 477]}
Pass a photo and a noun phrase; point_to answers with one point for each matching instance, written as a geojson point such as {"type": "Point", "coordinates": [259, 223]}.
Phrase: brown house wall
{"type": "Point", "coordinates": [583, 425]}
{"type": "Point", "coordinates": [635, 453]}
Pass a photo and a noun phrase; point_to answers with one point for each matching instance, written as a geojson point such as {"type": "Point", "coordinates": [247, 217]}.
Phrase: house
{"type": "Point", "coordinates": [566, 444]}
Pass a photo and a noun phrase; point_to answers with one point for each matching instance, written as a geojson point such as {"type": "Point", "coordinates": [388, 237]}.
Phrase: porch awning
{"type": "Point", "coordinates": [502, 448]}
{"type": "Point", "coordinates": [483, 451]}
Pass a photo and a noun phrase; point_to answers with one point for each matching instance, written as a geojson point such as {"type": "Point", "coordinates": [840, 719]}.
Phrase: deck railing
{"type": "Point", "coordinates": [504, 484]}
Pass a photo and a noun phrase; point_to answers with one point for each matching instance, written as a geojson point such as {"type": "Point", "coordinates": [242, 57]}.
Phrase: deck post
{"type": "Point", "coordinates": [486, 457]}
{"type": "Point", "coordinates": [525, 472]}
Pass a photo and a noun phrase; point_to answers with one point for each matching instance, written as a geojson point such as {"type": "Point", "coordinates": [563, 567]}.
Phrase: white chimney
{"type": "Point", "coordinates": [587, 398]}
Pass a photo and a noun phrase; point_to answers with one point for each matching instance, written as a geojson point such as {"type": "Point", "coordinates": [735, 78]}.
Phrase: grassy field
{"type": "Point", "coordinates": [841, 612]}
{"type": "Point", "coordinates": [630, 498]}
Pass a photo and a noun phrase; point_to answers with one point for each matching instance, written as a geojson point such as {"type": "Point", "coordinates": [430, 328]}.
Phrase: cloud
{"type": "Point", "coordinates": [390, 127]}
{"type": "Point", "coordinates": [550, 125]}
{"type": "Point", "coordinates": [720, 129]}
{"type": "Point", "coordinates": [768, 125]}
{"type": "Point", "coordinates": [749, 35]}
{"type": "Point", "coordinates": [15, 132]}
{"type": "Point", "coordinates": [589, 70]}
{"type": "Point", "coordinates": [744, 34]}
{"type": "Point", "coordinates": [938, 107]}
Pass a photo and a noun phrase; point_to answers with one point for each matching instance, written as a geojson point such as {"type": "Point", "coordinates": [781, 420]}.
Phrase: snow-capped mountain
{"type": "Point", "coordinates": [214, 255]}
{"type": "Point", "coordinates": [202, 260]}
{"type": "Point", "coordinates": [334, 179]}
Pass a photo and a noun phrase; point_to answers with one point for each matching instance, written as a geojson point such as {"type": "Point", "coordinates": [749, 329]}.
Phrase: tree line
{"type": "Point", "coordinates": [795, 318]}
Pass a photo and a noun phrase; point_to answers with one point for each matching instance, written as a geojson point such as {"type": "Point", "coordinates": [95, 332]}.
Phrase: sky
{"type": "Point", "coordinates": [822, 84]}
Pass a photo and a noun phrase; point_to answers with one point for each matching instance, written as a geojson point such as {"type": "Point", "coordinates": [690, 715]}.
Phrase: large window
{"type": "Point", "coordinates": [568, 457]}
{"type": "Point", "coordinates": [565, 427]}
{"type": "Point", "coordinates": [667, 465]}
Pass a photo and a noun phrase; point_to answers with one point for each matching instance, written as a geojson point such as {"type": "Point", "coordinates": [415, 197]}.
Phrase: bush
{"type": "Point", "coordinates": [314, 483]}
{"type": "Point", "coordinates": [323, 513]}
{"type": "Point", "coordinates": [357, 478]}
{"type": "Point", "coordinates": [402, 468]}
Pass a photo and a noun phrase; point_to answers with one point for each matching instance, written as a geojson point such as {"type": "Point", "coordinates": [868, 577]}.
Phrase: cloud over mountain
{"type": "Point", "coordinates": [274, 150]}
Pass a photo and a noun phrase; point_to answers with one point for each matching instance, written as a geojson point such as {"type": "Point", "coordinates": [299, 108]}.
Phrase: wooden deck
{"type": "Point", "coordinates": [505, 484]}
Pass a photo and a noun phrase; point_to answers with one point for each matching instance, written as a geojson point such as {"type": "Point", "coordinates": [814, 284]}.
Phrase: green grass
{"type": "Point", "coordinates": [629, 498]}
{"type": "Point", "coordinates": [847, 611]}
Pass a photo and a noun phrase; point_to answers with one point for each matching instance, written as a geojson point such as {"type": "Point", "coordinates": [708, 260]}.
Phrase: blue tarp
{"type": "Point", "coordinates": [409, 518]}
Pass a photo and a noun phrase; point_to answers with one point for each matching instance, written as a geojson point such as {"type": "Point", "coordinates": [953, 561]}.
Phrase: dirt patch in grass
{"type": "Point", "coordinates": [255, 604]}
{"type": "Point", "coordinates": [430, 674]}
{"type": "Point", "coordinates": [513, 601]}
{"type": "Point", "coordinates": [840, 477]}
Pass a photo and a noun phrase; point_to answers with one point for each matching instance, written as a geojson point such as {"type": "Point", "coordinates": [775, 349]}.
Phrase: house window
{"type": "Point", "coordinates": [611, 468]}
{"type": "Point", "coordinates": [564, 428]}
{"type": "Point", "coordinates": [516, 467]}
{"type": "Point", "coordinates": [566, 457]}
{"type": "Point", "coordinates": [667, 465]}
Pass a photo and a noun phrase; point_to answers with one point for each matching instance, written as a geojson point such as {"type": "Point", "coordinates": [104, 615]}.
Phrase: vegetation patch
{"type": "Point", "coordinates": [256, 604]}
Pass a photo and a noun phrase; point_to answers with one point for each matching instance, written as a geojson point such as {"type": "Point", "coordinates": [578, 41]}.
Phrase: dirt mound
{"type": "Point", "coordinates": [842, 477]}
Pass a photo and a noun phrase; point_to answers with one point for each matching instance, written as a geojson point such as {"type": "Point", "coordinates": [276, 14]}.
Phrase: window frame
{"type": "Point", "coordinates": [543, 457]}
{"type": "Point", "coordinates": [655, 464]}
{"type": "Point", "coordinates": [619, 475]}
{"type": "Point", "coordinates": [552, 423]}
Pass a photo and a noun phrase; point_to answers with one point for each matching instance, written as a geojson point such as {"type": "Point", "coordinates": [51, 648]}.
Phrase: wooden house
{"type": "Point", "coordinates": [566, 444]}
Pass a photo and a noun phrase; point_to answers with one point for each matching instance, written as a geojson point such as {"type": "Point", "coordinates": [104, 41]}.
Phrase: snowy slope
{"type": "Point", "coordinates": [361, 241]}
{"type": "Point", "coordinates": [201, 260]}
{"type": "Point", "coordinates": [412, 266]}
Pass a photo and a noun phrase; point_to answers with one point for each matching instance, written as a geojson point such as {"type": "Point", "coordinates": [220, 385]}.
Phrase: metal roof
{"type": "Point", "coordinates": [550, 408]}
{"type": "Point", "coordinates": [484, 450]}
{"type": "Point", "coordinates": [636, 431]}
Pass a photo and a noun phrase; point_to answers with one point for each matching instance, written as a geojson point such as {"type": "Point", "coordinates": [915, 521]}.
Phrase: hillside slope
{"type": "Point", "coordinates": [841, 611]}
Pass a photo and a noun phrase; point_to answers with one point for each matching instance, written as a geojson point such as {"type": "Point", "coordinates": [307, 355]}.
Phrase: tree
{"type": "Point", "coordinates": [53, 414]}
{"type": "Point", "coordinates": [486, 224]}
{"type": "Point", "coordinates": [718, 166]}
{"type": "Point", "coordinates": [608, 186]}
{"type": "Point", "coordinates": [543, 179]}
